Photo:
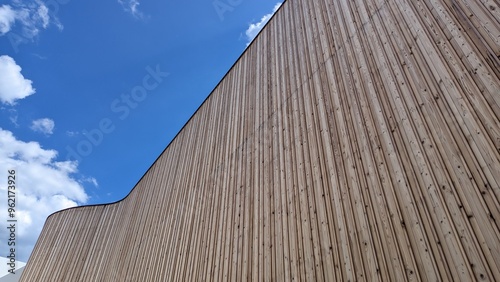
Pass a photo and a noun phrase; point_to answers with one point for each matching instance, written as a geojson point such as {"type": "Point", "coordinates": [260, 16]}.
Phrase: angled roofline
{"type": "Point", "coordinates": [182, 128]}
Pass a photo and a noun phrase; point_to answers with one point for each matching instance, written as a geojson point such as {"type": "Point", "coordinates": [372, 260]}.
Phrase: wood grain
{"type": "Point", "coordinates": [352, 140]}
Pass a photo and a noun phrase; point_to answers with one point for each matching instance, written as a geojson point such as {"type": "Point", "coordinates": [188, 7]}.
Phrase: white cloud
{"type": "Point", "coordinates": [254, 28]}
{"type": "Point", "coordinates": [43, 186]}
{"type": "Point", "coordinates": [13, 85]}
{"type": "Point", "coordinates": [7, 19]}
{"type": "Point", "coordinates": [43, 125]}
{"type": "Point", "coordinates": [32, 16]}
{"type": "Point", "coordinates": [132, 7]}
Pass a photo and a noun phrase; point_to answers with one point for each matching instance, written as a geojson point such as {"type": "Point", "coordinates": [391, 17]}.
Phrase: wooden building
{"type": "Point", "coordinates": [352, 140]}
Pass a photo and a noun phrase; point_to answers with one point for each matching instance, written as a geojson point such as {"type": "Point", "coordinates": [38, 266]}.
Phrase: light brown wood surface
{"type": "Point", "coordinates": [353, 140]}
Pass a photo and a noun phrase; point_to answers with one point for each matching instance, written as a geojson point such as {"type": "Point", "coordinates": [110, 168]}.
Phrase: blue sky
{"type": "Point", "coordinates": [91, 94]}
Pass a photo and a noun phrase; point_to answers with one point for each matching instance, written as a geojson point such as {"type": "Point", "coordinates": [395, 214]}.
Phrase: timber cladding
{"type": "Point", "coordinates": [353, 140]}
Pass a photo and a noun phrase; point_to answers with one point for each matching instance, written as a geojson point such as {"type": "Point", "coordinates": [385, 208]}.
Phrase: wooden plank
{"type": "Point", "coordinates": [353, 140]}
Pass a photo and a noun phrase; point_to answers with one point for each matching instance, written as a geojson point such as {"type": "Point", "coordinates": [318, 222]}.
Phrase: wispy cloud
{"type": "Point", "coordinates": [13, 119]}
{"type": "Point", "coordinates": [47, 186]}
{"type": "Point", "coordinates": [70, 133]}
{"type": "Point", "coordinates": [13, 116]}
{"type": "Point", "coordinates": [40, 57]}
{"type": "Point", "coordinates": [91, 180]}
{"type": "Point", "coordinates": [7, 18]}
{"type": "Point", "coordinates": [13, 85]}
{"type": "Point", "coordinates": [31, 17]}
{"type": "Point", "coordinates": [43, 125]}
{"type": "Point", "coordinates": [43, 15]}
{"type": "Point", "coordinates": [132, 7]}
{"type": "Point", "coordinates": [254, 28]}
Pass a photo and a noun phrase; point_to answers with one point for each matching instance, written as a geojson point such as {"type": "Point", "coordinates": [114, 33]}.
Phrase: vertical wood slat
{"type": "Point", "coordinates": [353, 140]}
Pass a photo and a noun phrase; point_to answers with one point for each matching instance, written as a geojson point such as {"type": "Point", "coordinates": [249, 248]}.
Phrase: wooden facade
{"type": "Point", "coordinates": [352, 140]}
